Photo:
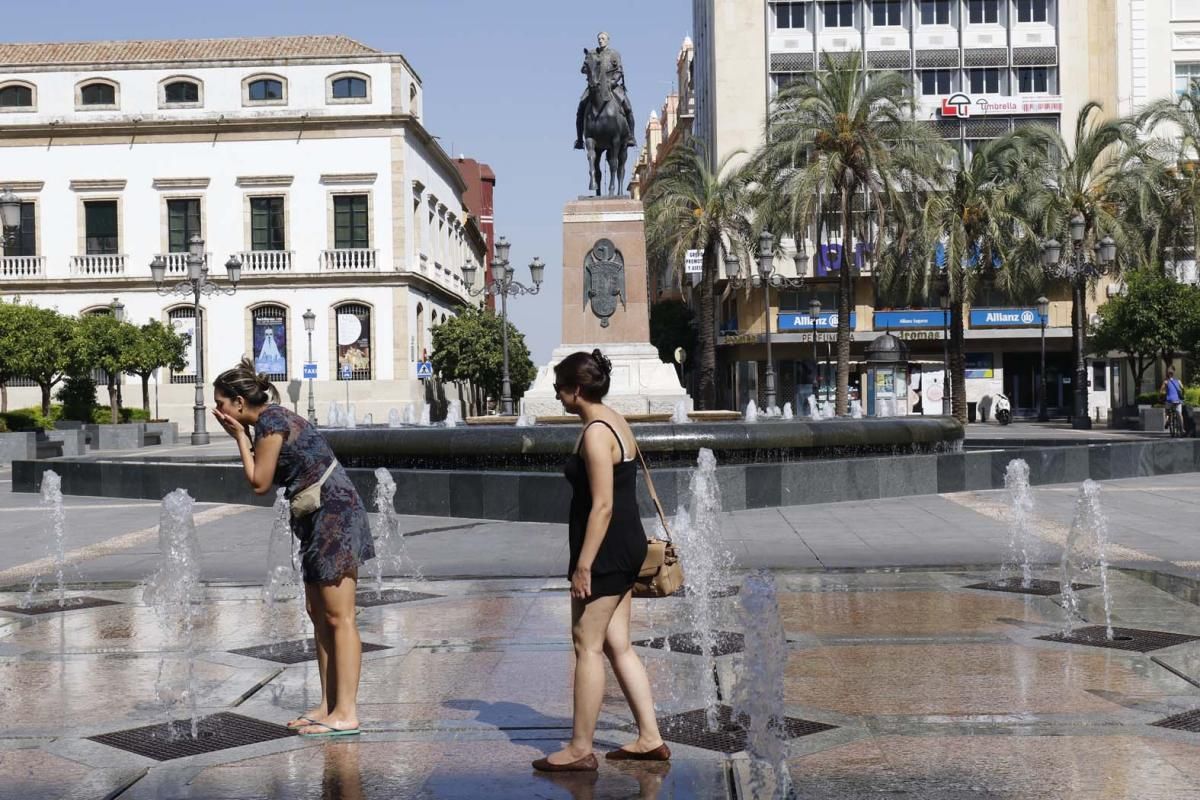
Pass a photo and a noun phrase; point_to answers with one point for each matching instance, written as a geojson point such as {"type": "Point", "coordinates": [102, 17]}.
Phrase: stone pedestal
{"type": "Point", "coordinates": [641, 382]}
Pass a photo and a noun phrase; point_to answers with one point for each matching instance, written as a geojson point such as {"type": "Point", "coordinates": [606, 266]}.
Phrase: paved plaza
{"type": "Point", "coordinates": [922, 688]}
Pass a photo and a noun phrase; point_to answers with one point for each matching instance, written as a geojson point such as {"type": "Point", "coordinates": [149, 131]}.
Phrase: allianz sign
{"type": "Point", "coordinates": [1004, 317]}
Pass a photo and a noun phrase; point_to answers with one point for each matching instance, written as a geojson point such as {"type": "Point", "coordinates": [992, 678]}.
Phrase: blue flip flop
{"type": "Point", "coordinates": [330, 731]}
{"type": "Point", "coordinates": [307, 721]}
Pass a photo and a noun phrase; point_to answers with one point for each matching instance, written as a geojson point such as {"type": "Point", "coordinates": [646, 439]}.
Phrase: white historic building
{"type": "Point", "coordinates": [305, 156]}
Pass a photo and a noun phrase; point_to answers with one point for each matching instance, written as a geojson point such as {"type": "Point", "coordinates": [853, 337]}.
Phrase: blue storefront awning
{"type": "Point", "coordinates": [912, 319]}
{"type": "Point", "coordinates": [1004, 318]}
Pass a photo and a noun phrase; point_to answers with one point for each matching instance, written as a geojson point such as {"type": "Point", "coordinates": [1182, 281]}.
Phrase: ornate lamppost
{"type": "Point", "coordinates": [766, 277]}
{"type": "Point", "coordinates": [1078, 269]}
{"type": "Point", "coordinates": [310, 322]}
{"type": "Point", "coordinates": [944, 302]}
{"type": "Point", "coordinates": [196, 284]}
{"type": "Point", "coordinates": [1043, 307]}
{"type": "Point", "coordinates": [814, 311]}
{"type": "Point", "coordinates": [503, 284]}
{"type": "Point", "coordinates": [10, 217]}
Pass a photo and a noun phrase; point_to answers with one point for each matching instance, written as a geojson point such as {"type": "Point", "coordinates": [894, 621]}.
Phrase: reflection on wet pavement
{"type": "Point", "coordinates": [933, 691]}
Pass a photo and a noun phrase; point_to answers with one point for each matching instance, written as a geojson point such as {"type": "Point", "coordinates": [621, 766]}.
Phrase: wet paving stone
{"type": "Point", "coordinates": [388, 597]}
{"type": "Point", "coordinates": [1132, 639]}
{"type": "Point", "coordinates": [691, 728]}
{"type": "Point", "coordinates": [1187, 721]}
{"type": "Point", "coordinates": [725, 643]}
{"type": "Point", "coordinates": [53, 606]}
{"type": "Point", "coordinates": [171, 740]}
{"type": "Point", "coordinates": [293, 652]}
{"type": "Point", "coordinates": [724, 591]}
{"type": "Point", "coordinates": [1037, 586]}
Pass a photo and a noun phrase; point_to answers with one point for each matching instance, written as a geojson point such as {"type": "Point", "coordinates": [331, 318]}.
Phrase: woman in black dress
{"type": "Point", "coordinates": [608, 546]}
{"type": "Point", "coordinates": [335, 539]}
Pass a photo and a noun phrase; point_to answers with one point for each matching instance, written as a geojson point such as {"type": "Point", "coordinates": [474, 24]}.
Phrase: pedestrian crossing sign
{"type": "Point", "coordinates": [424, 370]}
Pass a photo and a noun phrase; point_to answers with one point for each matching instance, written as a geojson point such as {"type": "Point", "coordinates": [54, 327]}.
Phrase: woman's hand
{"type": "Point", "coordinates": [581, 583]}
{"type": "Point", "coordinates": [234, 428]}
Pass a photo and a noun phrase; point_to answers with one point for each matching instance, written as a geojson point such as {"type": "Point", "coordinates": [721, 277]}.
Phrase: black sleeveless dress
{"type": "Point", "coordinates": [624, 546]}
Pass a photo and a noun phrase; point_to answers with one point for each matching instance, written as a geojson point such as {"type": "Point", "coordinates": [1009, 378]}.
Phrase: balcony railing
{"type": "Point", "coordinates": [98, 266]}
{"type": "Point", "coordinates": [15, 268]}
{"type": "Point", "coordinates": [352, 259]}
{"type": "Point", "coordinates": [177, 262]}
{"type": "Point", "coordinates": [266, 261]}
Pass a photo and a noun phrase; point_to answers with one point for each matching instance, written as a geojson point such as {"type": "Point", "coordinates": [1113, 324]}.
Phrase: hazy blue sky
{"type": "Point", "coordinates": [501, 81]}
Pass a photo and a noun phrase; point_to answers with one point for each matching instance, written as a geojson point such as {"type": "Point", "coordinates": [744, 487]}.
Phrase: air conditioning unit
{"type": "Point", "coordinates": [887, 41]}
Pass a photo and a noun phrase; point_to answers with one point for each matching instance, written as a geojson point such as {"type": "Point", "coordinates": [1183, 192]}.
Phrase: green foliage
{"type": "Point", "coordinates": [468, 347]}
{"type": "Point", "coordinates": [155, 346]}
{"type": "Point", "coordinates": [3, 425]}
{"type": "Point", "coordinates": [27, 419]}
{"type": "Point", "coordinates": [78, 397]}
{"type": "Point", "coordinates": [40, 344]}
{"type": "Point", "coordinates": [102, 415]}
{"type": "Point", "coordinates": [672, 324]}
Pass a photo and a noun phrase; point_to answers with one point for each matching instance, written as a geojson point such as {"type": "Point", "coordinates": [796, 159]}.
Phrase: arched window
{"type": "Point", "coordinates": [269, 338]}
{"type": "Point", "coordinates": [353, 354]}
{"type": "Point", "coordinates": [16, 95]}
{"type": "Point", "coordinates": [182, 320]}
{"type": "Point", "coordinates": [94, 94]}
{"type": "Point", "coordinates": [264, 90]}
{"type": "Point", "coordinates": [420, 331]}
{"type": "Point", "coordinates": [348, 87]}
{"type": "Point", "coordinates": [414, 102]}
{"type": "Point", "coordinates": [180, 91]}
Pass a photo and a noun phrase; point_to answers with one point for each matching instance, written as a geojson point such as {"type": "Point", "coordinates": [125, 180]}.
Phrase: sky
{"type": "Point", "coordinates": [501, 81]}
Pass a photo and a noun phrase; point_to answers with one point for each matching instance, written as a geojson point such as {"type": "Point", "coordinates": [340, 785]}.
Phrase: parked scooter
{"type": "Point", "coordinates": [1002, 409]}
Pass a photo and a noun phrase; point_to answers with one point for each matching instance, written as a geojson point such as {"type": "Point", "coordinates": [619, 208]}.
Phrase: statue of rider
{"type": "Point", "coordinates": [609, 61]}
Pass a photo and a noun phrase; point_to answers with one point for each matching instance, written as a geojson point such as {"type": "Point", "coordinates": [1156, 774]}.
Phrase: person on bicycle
{"type": "Point", "coordinates": [1173, 390]}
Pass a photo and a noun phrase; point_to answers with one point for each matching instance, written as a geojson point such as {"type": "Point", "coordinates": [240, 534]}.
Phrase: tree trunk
{"type": "Point", "coordinates": [958, 364]}
{"type": "Point", "coordinates": [3, 398]}
{"type": "Point", "coordinates": [112, 401]}
{"type": "Point", "coordinates": [845, 288]}
{"type": "Point", "coordinates": [45, 387]}
{"type": "Point", "coordinates": [146, 393]}
{"type": "Point", "coordinates": [708, 348]}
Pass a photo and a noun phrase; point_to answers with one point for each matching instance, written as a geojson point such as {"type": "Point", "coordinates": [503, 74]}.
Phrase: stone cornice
{"type": "Point", "coordinates": [98, 185]}
{"type": "Point", "coordinates": [22, 186]}
{"type": "Point", "coordinates": [181, 183]}
{"type": "Point", "coordinates": [343, 178]}
{"type": "Point", "coordinates": [261, 181]}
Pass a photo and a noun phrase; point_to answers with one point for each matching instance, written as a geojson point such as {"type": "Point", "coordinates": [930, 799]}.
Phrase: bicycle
{"type": "Point", "coordinates": [1174, 420]}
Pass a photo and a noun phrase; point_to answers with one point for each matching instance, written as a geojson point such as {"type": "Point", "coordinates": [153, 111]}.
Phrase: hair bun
{"type": "Point", "coordinates": [602, 361]}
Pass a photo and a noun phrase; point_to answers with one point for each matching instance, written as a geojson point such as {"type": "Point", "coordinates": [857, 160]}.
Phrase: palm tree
{"type": "Point", "coordinates": [1175, 178]}
{"type": "Point", "coordinates": [1071, 183]}
{"type": "Point", "coordinates": [838, 142]}
{"type": "Point", "coordinates": [691, 206]}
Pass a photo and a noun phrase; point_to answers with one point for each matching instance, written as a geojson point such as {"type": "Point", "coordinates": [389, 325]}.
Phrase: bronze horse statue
{"type": "Point", "coordinates": [605, 130]}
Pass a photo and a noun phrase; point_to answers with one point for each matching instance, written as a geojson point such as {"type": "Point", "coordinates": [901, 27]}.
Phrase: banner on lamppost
{"type": "Point", "coordinates": [693, 262]}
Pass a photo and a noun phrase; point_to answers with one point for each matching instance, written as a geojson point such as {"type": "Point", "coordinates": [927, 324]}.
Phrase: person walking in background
{"type": "Point", "coordinates": [329, 519]}
{"type": "Point", "coordinates": [607, 547]}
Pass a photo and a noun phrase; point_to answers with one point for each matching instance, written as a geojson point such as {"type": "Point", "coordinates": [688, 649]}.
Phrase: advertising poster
{"type": "Point", "coordinates": [354, 341]}
{"type": "Point", "coordinates": [186, 326]}
{"type": "Point", "coordinates": [979, 365]}
{"type": "Point", "coordinates": [270, 345]}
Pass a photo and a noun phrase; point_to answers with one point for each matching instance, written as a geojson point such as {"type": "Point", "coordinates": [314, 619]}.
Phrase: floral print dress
{"type": "Point", "coordinates": [336, 538]}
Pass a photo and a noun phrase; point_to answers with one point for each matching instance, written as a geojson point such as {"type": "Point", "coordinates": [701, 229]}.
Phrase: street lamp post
{"type": "Point", "coordinates": [765, 277]}
{"type": "Point", "coordinates": [1078, 269]}
{"type": "Point", "coordinates": [944, 302]}
{"type": "Point", "coordinates": [196, 284]}
{"type": "Point", "coordinates": [1043, 307]}
{"type": "Point", "coordinates": [10, 217]}
{"type": "Point", "coordinates": [503, 285]}
{"type": "Point", "coordinates": [814, 311]}
{"type": "Point", "coordinates": [310, 322]}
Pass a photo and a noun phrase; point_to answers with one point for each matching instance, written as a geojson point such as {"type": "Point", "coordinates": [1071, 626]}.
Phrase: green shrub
{"type": "Point", "coordinates": [1150, 399]}
{"type": "Point", "coordinates": [134, 415]}
{"type": "Point", "coordinates": [1192, 396]}
{"type": "Point", "coordinates": [78, 396]}
{"type": "Point", "coordinates": [26, 419]}
{"type": "Point", "coordinates": [3, 426]}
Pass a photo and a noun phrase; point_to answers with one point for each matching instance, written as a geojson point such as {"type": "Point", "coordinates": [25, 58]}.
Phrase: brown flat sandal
{"type": "Point", "coordinates": [660, 753]}
{"type": "Point", "coordinates": [586, 764]}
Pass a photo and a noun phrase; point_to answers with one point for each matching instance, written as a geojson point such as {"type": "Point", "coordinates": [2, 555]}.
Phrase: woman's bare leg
{"type": "Point", "coordinates": [589, 621]}
{"type": "Point", "coordinates": [345, 653]}
{"type": "Point", "coordinates": [631, 674]}
{"type": "Point", "coordinates": [316, 613]}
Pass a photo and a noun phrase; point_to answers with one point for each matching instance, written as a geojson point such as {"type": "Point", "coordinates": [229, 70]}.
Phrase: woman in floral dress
{"type": "Point", "coordinates": [335, 539]}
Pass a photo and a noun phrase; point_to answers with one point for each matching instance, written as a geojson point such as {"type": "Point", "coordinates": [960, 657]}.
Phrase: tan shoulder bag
{"type": "Point", "coordinates": [662, 573]}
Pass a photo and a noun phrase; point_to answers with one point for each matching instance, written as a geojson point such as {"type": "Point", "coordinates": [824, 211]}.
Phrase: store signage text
{"type": "Point", "coordinates": [1004, 318]}
{"type": "Point", "coordinates": [801, 321]}
{"type": "Point", "coordinates": [961, 105]}
{"type": "Point", "coordinates": [917, 318]}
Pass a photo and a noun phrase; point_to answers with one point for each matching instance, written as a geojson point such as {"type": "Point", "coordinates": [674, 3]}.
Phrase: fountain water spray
{"type": "Point", "coordinates": [814, 409]}
{"type": "Point", "coordinates": [283, 581]}
{"type": "Point", "coordinates": [787, 411]}
{"type": "Point", "coordinates": [391, 552]}
{"type": "Point", "coordinates": [526, 421]}
{"type": "Point", "coordinates": [351, 418]}
{"type": "Point", "coordinates": [394, 418]}
{"type": "Point", "coordinates": [1021, 536]}
{"type": "Point", "coordinates": [751, 412]}
{"type": "Point", "coordinates": [855, 410]}
{"type": "Point", "coordinates": [758, 699]}
{"type": "Point", "coordinates": [424, 421]}
{"type": "Point", "coordinates": [409, 415]}
{"type": "Point", "coordinates": [52, 499]}
{"type": "Point", "coordinates": [368, 419]}
{"type": "Point", "coordinates": [334, 417]}
{"type": "Point", "coordinates": [1086, 549]}
{"type": "Point", "coordinates": [680, 415]}
{"type": "Point", "coordinates": [696, 532]}
{"type": "Point", "coordinates": [172, 592]}
{"type": "Point", "coordinates": [452, 415]}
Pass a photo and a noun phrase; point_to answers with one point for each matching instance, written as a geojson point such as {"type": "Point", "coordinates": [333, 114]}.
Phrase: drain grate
{"type": "Point", "coordinates": [1187, 721]}
{"type": "Point", "coordinates": [1036, 586]}
{"type": "Point", "coordinates": [690, 728]}
{"type": "Point", "coordinates": [52, 606]}
{"type": "Point", "coordinates": [727, 591]}
{"type": "Point", "coordinates": [725, 643]}
{"type": "Point", "coordinates": [169, 740]}
{"type": "Point", "coordinates": [1132, 639]}
{"type": "Point", "coordinates": [389, 596]}
{"type": "Point", "coordinates": [293, 652]}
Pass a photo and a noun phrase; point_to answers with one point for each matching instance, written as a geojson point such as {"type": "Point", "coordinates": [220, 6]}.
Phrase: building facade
{"type": "Point", "coordinates": [305, 157]}
{"type": "Point", "coordinates": [980, 68]}
{"type": "Point", "coordinates": [480, 198]}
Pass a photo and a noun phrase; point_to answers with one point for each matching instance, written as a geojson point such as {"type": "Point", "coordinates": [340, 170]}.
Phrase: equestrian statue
{"type": "Point", "coordinates": [604, 120]}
